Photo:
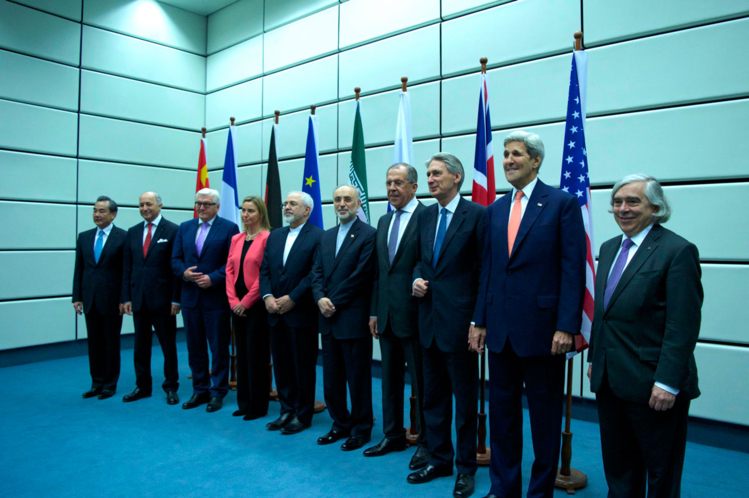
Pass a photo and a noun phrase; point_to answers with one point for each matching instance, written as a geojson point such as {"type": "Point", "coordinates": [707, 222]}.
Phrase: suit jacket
{"type": "Point", "coordinates": [102, 281]}
{"type": "Point", "coordinates": [251, 268]}
{"type": "Point", "coordinates": [540, 288]}
{"type": "Point", "coordinates": [392, 293]}
{"type": "Point", "coordinates": [446, 311]}
{"type": "Point", "coordinates": [211, 262]}
{"type": "Point", "coordinates": [649, 330]}
{"type": "Point", "coordinates": [295, 278]}
{"type": "Point", "coordinates": [346, 280]}
{"type": "Point", "coordinates": [150, 279]}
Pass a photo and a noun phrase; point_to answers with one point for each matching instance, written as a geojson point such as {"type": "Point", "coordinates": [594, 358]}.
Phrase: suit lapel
{"type": "Point", "coordinates": [458, 217]}
{"type": "Point", "coordinates": [648, 247]}
{"type": "Point", "coordinates": [108, 245]}
{"type": "Point", "coordinates": [431, 231]}
{"type": "Point", "coordinates": [407, 236]}
{"type": "Point", "coordinates": [352, 234]}
{"type": "Point", "coordinates": [211, 234]}
{"type": "Point", "coordinates": [605, 260]}
{"type": "Point", "coordinates": [502, 220]}
{"type": "Point", "coordinates": [382, 241]}
{"type": "Point", "coordinates": [285, 237]}
{"type": "Point", "coordinates": [536, 204]}
{"type": "Point", "coordinates": [154, 238]}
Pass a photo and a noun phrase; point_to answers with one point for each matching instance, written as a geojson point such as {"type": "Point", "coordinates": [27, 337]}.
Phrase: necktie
{"type": "Point", "coordinates": [148, 240]}
{"type": "Point", "coordinates": [201, 237]}
{"type": "Point", "coordinates": [393, 243]}
{"type": "Point", "coordinates": [99, 245]}
{"type": "Point", "coordinates": [514, 225]}
{"type": "Point", "coordinates": [616, 273]}
{"type": "Point", "coordinates": [440, 237]}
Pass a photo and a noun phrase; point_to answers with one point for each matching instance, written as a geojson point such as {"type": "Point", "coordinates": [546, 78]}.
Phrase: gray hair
{"type": "Point", "coordinates": [653, 191]}
{"type": "Point", "coordinates": [358, 197]}
{"type": "Point", "coordinates": [211, 192]}
{"type": "Point", "coordinates": [411, 174]}
{"type": "Point", "coordinates": [533, 143]}
{"type": "Point", "coordinates": [112, 204]}
{"type": "Point", "coordinates": [155, 194]}
{"type": "Point", "coordinates": [452, 163]}
{"type": "Point", "coordinates": [306, 199]}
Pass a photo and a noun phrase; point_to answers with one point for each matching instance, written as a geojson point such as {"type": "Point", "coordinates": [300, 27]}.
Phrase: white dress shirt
{"type": "Point", "coordinates": [527, 192]}
{"type": "Point", "coordinates": [200, 227]}
{"type": "Point", "coordinates": [451, 207]}
{"type": "Point", "coordinates": [407, 211]}
{"type": "Point", "coordinates": [104, 238]}
{"type": "Point", "coordinates": [155, 224]}
{"type": "Point", "coordinates": [290, 239]}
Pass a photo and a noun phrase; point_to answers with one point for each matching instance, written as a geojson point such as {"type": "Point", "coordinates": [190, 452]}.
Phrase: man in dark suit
{"type": "Point", "coordinates": [199, 259]}
{"type": "Point", "coordinates": [341, 286]}
{"type": "Point", "coordinates": [451, 243]}
{"type": "Point", "coordinates": [394, 310]}
{"type": "Point", "coordinates": [286, 288]}
{"type": "Point", "coordinates": [648, 299]}
{"type": "Point", "coordinates": [96, 292]}
{"type": "Point", "coordinates": [151, 293]}
{"type": "Point", "coordinates": [529, 308]}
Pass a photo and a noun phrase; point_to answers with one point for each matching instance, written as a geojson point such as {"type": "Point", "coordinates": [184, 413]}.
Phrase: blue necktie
{"type": "Point", "coordinates": [393, 243]}
{"type": "Point", "coordinates": [98, 246]}
{"type": "Point", "coordinates": [616, 273]}
{"type": "Point", "coordinates": [440, 237]}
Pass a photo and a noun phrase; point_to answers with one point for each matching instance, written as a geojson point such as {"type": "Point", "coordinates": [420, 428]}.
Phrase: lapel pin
{"type": "Point", "coordinates": [352, 236]}
{"type": "Point", "coordinates": [539, 204]}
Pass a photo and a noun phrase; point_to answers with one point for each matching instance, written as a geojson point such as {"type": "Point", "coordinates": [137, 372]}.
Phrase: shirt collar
{"type": "Point", "coordinates": [452, 205]}
{"type": "Point", "coordinates": [210, 222]}
{"type": "Point", "coordinates": [297, 229]}
{"type": "Point", "coordinates": [106, 230]}
{"type": "Point", "coordinates": [155, 222]}
{"type": "Point", "coordinates": [345, 227]}
{"type": "Point", "coordinates": [640, 237]}
{"type": "Point", "coordinates": [527, 190]}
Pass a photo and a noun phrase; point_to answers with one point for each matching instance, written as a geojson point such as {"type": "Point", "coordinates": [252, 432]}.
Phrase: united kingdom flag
{"type": "Point", "coordinates": [484, 191]}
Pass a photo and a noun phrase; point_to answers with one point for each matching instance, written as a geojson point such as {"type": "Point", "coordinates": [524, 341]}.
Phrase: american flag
{"type": "Point", "coordinates": [484, 191]}
{"type": "Point", "coordinates": [576, 181]}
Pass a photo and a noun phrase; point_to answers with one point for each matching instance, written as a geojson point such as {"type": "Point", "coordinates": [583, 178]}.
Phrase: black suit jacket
{"type": "Point", "coordinates": [392, 293]}
{"type": "Point", "coordinates": [649, 330]}
{"type": "Point", "coordinates": [100, 282]}
{"type": "Point", "coordinates": [150, 279]}
{"type": "Point", "coordinates": [445, 313]}
{"type": "Point", "coordinates": [346, 280]}
{"type": "Point", "coordinates": [294, 279]}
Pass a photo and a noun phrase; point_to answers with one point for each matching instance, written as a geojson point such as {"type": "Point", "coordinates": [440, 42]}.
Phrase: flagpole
{"type": "Point", "coordinates": [233, 353]}
{"type": "Point", "coordinates": [273, 394]}
{"type": "Point", "coordinates": [567, 477]}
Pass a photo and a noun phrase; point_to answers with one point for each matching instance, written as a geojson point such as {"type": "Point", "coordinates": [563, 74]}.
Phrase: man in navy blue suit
{"type": "Point", "coordinates": [529, 308]}
{"type": "Point", "coordinates": [199, 258]}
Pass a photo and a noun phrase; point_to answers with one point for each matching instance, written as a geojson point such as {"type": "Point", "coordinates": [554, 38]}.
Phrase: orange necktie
{"type": "Point", "coordinates": [514, 225]}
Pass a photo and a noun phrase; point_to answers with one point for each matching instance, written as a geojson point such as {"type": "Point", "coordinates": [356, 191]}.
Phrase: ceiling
{"type": "Point", "coordinates": [202, 7]}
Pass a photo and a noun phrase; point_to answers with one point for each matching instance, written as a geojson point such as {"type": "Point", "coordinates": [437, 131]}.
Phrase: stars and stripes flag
{"type": "Point", "coordinates": [576, 181]}
{"type": "Point", "coordinates": [202, 173]}
{"type": "Point", "coordinates": [311, 183]}
{"type": "Point", "coordinates": [484, 191]}
{"type": "Point", "coordinates": [229, 208]}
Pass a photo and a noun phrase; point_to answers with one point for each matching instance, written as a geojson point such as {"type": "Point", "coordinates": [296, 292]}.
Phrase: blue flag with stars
{"type": "Point", "coordinates": [312, 174]}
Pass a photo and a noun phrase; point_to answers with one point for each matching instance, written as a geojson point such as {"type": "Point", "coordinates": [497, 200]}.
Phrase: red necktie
{"type": "Point", "coordinates": [148, 240]}
{"type": "Point", "coordinates": [514, 225]}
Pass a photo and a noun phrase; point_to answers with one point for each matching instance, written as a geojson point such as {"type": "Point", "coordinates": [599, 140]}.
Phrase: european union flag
{"type": "Point", "coordinates": [311, 183]}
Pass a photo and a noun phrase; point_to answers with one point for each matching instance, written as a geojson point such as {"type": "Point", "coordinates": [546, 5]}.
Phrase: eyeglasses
{"type": "Point", "coordinates": [290, 203]}
{"type": "Point", "coordinates": [204, 204]}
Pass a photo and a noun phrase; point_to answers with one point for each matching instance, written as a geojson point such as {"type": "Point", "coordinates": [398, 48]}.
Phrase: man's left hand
{"type": "Point", "coordinates": [175, 309]}
{"type": "Point", "coordinates": [562, 342]}
{"type": "Point", "coordinates": [203, 281]}
{"type": "Point", "coordinates": [285, 304]}
{"type": "Point", "coordinates": [661, 400]}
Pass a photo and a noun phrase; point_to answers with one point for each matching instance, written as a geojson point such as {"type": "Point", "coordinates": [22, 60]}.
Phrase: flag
{"type": "Point", "coordinates": [273, 185]}
{"type": "Point", "coordinates": [484, 191]}
{"type": "Point", "coordinates": [403, 152]}
{"type": "Point", "coordinates": [311, 183]}
{"type": "Point", "coordinates": [202, 173]}
{"type": "Point", "coordinates": [229, 199]}
{"type": "Point", "coordinates": [357, 174]}
{"type": "Point", "coordinates": [575, 180]}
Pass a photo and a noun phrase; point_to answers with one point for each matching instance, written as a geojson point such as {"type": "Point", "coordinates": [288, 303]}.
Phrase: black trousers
{"type": "Point", "coordinates": [447, 375]}
{"type": "Point", "coordinates": [252, 335]}
{"type": "Point", "coordinates": [295, 367]}
{"type": "Point", "coordinates": [103, 348]}
{"type": "Point", "coordinates": [165, 325]}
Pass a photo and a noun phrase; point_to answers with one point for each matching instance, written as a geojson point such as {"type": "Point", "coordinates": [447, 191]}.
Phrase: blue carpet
{"type": "Point", "coordinates": [54, 443]}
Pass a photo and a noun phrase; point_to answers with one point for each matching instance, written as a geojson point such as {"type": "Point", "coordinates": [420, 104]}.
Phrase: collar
{"type": "Point", "coordinates": [297, 229]}
{"type": "Point", "coordinates": [411, 206]}
{"type": "Point", "coordinates": [640, 237]}
{"type": "Point", "coordinates": [527, 190]}
{"type": "Point", "coordinates": [210, 222]}
{"type": "Point", "coordinates": [106, 230]}
{"type": "Point", "coordinates": [451, 206]}
{"type": "Point", "coordinates": [155, 222]}
{"type": "Point", "coordinates": [345, 227]}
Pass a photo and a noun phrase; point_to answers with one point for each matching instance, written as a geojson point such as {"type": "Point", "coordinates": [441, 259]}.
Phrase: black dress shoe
{"type": "Point", "coordinates": [136, 395]}
{"type": "Point", "coordinates": [386, 446]}
{"type": "Point", "coordinates": [172, 398]}
{"type": "Point", "coordinates": [239, 413]}
{"type": "Point", "coordinates": [92, 393]}
{"type": "Point", "coordinates": [214, 405]}
{"type": "Point", "coordinates": [420, 458]}
{"type": "Point", "coordinates": [253, 416]}
{"type": "Point", "coordinates": [332, 436]}
{"type": "Point", "coordinates": [429, 473]}
{"type": "Point", "coordinates": [107, 393]}
{"type": "Point", "coordinates": [354, 443]}
{"type": "Point", "coordinates": [491, 496]}
{"type": "Point", "coordinates": [294, 427]}
{"type": "Point", "coordinates": [463, 486]}
{"type": "Point", "coordinates": [280, 422]}
{"type": "Point", "coordinates": [195, 401]}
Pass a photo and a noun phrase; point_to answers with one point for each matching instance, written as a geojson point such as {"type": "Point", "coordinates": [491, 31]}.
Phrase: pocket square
{"type": "Point", "coordinates": [162, 240]}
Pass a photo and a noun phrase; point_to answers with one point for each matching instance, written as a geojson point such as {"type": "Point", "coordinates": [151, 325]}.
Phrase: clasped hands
{"type": "Point", "coordinates": [278, 306]}
{"type": "Point", "coordinates": [203, 281]}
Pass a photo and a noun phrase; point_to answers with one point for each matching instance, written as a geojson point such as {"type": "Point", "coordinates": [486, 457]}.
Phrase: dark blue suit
{"type": "Point", "coordinates": [524, 298]}
{"type": "Point", "coordinates": [206, 312]}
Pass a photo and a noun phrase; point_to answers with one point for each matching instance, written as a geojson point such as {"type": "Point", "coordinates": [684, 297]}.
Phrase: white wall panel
{"type": "Point", "coordinates": [116, 140]}
{"type": "Point", "coordinates": [380, 112]}
{"type": "Point", "coordinates": [293, 128]}
{"type": "Point", "coordinates": [250, 182]}
{"type": "Point", "coordinates": [284, 91]}
{"type": "Point", "coordinates": [724, 380]}
{"type": "Point", "coordinates": [151, 20]}
{"type": "Point", "coordinates": [367, 20]}
{"type": "Point", "coordinates": [676, 68]}
{"type": "Point", "coordinates": [238, 63]}
{"type": "Point", "coordinates": [292, 176]}
{"type": "Point", "coordinates": [248, 143]}
{"type": "Point", "coordinates": [117, 97]}
{"type": "Point", "coordinates": [36, 81]}
{"type": "Point", "coordinates": [280, 12]}
{"type": "Point", "coordinates": [244, 102]}
{"type": "Point", "coordinates": [69, 8]}
{"type": "Point", "coordinates": [141, 60]}
{"type": "Point", "coordinates": [725, 315]}
{"type": "Point", "coordinates": [454, 8]}
{"type": "Point", "coordinates": [27, 269]}
{"type": "Point", "coordinates": [328, 216]}
{"type": "Point", "coordinates": [380, 66]}
{"type": "Point", "coordinates": [234, 23]}
{"type": "Point", "coordinates": [43, 321]}
{"type": "Point", "coordinates": [37, 129]}
{"type": "Point", "coordinates": [501, 34]}
{"type": "Point", "coordinates": [36, 33]}
{"type": "Point", "coordinates": [606, 22]}
{"type": "Point", "coordinates": [36, 225]}
{"type": "Point", "coordinates": [300, 41]}
{"type": "Point", "coordinates": [38, 178]}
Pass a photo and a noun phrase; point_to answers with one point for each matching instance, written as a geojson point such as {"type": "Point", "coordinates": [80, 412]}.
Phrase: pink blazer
{"type": "Point", "coordinates": [252, 262]}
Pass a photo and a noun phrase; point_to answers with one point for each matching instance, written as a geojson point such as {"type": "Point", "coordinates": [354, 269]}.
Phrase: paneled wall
{"type": "Point", "coordinates": [98, 102]}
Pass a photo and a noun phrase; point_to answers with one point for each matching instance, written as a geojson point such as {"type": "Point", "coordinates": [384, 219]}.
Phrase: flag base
{"type": "Point", "coordinates": [575, 480]}
{"type": "Point", "coordinates": [319, 407]}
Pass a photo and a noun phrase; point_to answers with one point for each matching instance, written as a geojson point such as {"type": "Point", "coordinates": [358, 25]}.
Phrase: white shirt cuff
{"type": "Point", "coordinates": [667, 388]}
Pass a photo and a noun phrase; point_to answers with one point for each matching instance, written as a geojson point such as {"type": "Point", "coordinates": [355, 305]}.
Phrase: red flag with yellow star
{"type": "Point", "coordinates": [202, 173]}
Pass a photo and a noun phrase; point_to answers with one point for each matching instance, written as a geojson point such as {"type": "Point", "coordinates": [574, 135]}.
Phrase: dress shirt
{"type": "Point", "coordinates": [527, 192]}
{"type": "Point", "coordinates": [290, 239]}
{"type": "Point", "coordinates": [200, 226]}
{"type": "Point", "coordinates": [407, 211]}
{"type": "Point", "coordinates": [155, 224]}
{"type": "Point", "coordinates": [343, 230]}
{"type": "Point", "coordinates": [451, 207]}
{"type": "Point", "coordinates": [105, 238]}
